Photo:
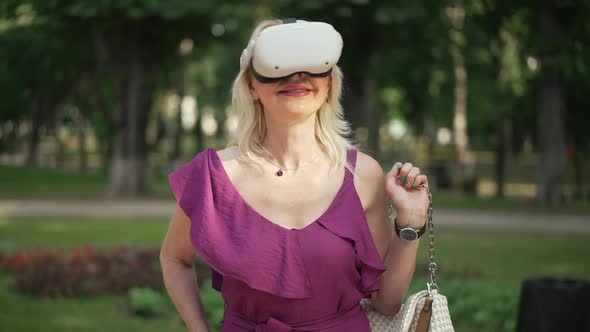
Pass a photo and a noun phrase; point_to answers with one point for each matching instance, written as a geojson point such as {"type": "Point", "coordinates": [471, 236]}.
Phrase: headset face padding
{"type": "Point", "coordinates": [264, 79]}
{"type": "Point", "coordinates": [285, 49]}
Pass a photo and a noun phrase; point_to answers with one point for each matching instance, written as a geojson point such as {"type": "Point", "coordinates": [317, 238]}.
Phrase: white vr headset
{"type": "Point", "coordinates": [293, 47]}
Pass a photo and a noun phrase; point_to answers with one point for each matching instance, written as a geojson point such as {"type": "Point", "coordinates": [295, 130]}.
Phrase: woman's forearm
{"type": "Point", "coordinates": [400, 262]}
{"type": "Point", "coordinates": [181, 285]}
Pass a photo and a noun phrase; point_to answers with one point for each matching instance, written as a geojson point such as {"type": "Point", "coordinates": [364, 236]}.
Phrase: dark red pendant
{"type": "Point", "coordinates": [279, 172]}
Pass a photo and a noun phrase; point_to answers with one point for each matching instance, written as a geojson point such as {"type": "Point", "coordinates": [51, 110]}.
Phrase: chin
{"type": "Point", "coordinates": [301, 107]}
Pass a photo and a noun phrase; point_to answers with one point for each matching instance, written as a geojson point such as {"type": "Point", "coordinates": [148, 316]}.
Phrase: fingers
{"type": "Point", "coordinates": [394, 173]}
{"type": "Point", "coordinates": [411, 177]}
{"type": "Point", "coordinates": [403, 173]}
{"type": "Point", "coordinates": [408, 175]}
{"type": "Point", "coordinates": [421, 180]}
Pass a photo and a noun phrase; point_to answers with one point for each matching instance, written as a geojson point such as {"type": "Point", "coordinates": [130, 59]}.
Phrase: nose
{"type": "Point", "coordinates": [300, 75]}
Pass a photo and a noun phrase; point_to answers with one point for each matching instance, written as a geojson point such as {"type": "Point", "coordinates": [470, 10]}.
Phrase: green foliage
{"type": "Point", "coordinates": [487, 305]}
{"type": "Point", "coordinates": [481, 305]}
{"type": "Point", "coordinates": [213, 303]}
{"type": "Point", "coordinates": [506, 258]}
{"type": "Point", "coordinates": [134, 9]}
{"type": "Point", "coordinates": [146, 302]}
{"type": "Point", "coordinates": [33, 182]}
{"type": "Point", "coordinates": [62, 54]}
{"type": "Point", "coordinates": [103, 313]}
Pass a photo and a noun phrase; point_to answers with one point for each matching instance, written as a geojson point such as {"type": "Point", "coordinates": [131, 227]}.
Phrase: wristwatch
{"type": "Point", "coordinates": [408, 233]}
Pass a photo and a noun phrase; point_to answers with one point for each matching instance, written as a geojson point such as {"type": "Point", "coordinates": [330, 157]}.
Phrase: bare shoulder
{"type": "Point", "coordinates": [229, 153]}
{"type": "Point", "coordinates": [233, 165]}
{"type": "Point", "coordinates": [369, 179]}
{"type": "Point", "coordinates": [368, 167]}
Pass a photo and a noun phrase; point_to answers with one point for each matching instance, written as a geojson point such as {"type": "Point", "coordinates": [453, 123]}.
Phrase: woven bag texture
{"type": "Point", "coordinates": [407, 318]}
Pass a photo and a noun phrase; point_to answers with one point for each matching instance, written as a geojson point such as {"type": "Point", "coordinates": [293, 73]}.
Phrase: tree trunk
{"type": "Point", "coordinates": [460, 105]}
{"type": "Point", "coordinates": [44, 107]}
{"type": "Point", "coordinates": [460, 108]}
{"type": "Point", "coordinates": [82, 152]}
{"type": "Point", "coordinates": [429, 132]}
{"type": "Point", "coordinates": [456, 15]}
{"type": "Point", "coordinates": [359, 79]}
{"type": "Point", "coordinates": [179, 130]}
{"type": "Point", "coordinates": [550, 121]}
{"type": "Point", "coordinates": [129, 161]}
{"type": "Point", "coordinates": [32, 159]}
{"type": "Point", "coordinates": [352, 101]}
{"type": "Point", "coordinates": [60, 155]}
{"type": "Point", "coordinates": [178, 134]}
{"type": "Point", "coordinates": [86, 98]}
{"type": "Point", "coordinates": [373, 118]}
{"type": "Point", "coordinates": [550, 126]}
{"type": "Point", "coordinates": [578, 176]}
{"type": "Point", "coordinates": [200, 144]}
{"type": "Point", "coordinates": [502, 155]}
{"type": "Point", "coordinates": [160, 132]}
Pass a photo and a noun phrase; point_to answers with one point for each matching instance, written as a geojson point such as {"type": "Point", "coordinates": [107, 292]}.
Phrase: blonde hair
{"type": "Point", "coordinates": [331, 128]}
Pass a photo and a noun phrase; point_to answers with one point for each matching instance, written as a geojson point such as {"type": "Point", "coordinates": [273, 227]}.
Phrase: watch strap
{"type": "Point", "coordinates": [419, 232]}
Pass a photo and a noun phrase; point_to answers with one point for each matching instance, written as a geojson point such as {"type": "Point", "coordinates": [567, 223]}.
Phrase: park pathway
{"type": "Point", "coordinates": [486, 220]}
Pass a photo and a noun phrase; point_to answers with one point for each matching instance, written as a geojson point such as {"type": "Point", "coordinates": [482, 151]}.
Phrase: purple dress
{"type": "Point", "coordinates": [272, 278]}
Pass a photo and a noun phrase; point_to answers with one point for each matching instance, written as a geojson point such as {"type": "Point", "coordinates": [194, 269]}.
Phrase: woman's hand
{"type": "Point", "coordinates": [404, 188]}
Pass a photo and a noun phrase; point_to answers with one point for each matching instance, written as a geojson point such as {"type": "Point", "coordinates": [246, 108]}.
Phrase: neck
{"type": "Point", "coordinates": [292, 144]}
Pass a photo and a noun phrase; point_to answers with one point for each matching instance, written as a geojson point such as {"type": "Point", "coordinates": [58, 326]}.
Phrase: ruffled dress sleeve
{"type": "Point", "coordinates": [228, 236]}
{"type": "Point", "coordinates": [370, 264]}
{"type": "Point", "coordinates": [350, 222]}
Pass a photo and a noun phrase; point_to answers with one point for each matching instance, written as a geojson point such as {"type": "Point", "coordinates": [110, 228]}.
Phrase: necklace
{"type": "Point", "coordinates": [281, 169]}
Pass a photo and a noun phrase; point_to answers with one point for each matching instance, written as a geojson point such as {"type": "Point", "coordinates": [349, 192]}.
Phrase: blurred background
{"type": "Point", "coordinates": [101, 100]}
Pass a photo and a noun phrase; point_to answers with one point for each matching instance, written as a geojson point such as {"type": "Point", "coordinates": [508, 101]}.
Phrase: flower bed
{"type": "Point", "coordinates": [85, 270]}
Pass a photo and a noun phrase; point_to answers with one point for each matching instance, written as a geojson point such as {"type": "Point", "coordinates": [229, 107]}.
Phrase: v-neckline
{"type": "Point", "coordinates": [233, 188]}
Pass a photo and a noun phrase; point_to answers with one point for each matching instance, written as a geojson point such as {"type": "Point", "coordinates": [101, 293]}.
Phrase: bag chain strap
{"type": "Point", "coordinates": [432, 266]}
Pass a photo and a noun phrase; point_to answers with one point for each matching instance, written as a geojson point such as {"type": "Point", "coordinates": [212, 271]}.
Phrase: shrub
{"type": "Point", "coordinates": [84, 270]}
{"type": "Point", "coordinates": [87, 270]}
{"type": "Point", "coordinates": [480, 304]}
{"type": "Point", "coordinates": [146, 302]}
{"type": "Point", "coordinates": [213, 304]}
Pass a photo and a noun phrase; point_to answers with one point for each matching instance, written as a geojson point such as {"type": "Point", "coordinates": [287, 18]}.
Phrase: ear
{"type": "Point", "coordinates": [253, 92]}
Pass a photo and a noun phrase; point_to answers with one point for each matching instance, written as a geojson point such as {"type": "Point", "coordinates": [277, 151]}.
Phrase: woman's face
{"type": "Point", "coordinates": [295, 97]}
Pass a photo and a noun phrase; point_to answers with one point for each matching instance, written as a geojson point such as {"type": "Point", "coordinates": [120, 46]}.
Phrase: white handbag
{"type": "Point", "coordinates": [424, 311]}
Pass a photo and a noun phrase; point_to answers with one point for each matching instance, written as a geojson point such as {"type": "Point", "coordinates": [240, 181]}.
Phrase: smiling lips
{"type": "Point", "coordinates": [295, 91]}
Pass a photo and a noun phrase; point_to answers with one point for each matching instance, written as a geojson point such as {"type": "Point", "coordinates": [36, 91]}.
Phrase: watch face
{"type": "Point", "coordinates": [408, 234]}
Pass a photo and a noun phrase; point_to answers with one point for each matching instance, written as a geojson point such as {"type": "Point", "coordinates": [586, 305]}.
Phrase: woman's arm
{"type": "Point", "coordinates": [399, 256]}
{"type": "Point", "coordinates": [177, 260]}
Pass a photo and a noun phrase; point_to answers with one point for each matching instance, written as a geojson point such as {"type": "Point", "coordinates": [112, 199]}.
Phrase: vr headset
{"type": "Point", "coordinates": [293, 47]}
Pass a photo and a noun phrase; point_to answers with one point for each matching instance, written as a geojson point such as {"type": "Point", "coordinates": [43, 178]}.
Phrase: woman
{"type": "Point", "coordinates": [293, 221]}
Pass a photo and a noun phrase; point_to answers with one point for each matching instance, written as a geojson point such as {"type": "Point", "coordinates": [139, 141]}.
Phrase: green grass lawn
{"type": "Point", "coordinates": [26, 232]}
{"type": "Point", "coordinates": [21, 182]}
{"type": "Point", "coordinates": [43, 183]}
{"type": "Point", "coordinates": [509, 258]}
{"type": "Point", "coordinates": [499, 258]}
{"type": "Point", "coordinates": [103, 313]}
{"type": "Point", "coordinates": [453, 200]}
{"type": "Point", "coordinates": [33, 182]}
{"type": "Point", "coordinates": [505, 257]}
